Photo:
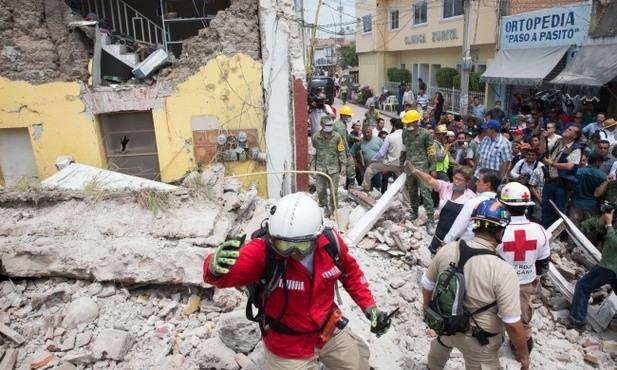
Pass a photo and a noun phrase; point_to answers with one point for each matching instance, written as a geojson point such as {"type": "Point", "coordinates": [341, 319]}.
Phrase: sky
{"type": "Point", "coordinates": [329, 14]}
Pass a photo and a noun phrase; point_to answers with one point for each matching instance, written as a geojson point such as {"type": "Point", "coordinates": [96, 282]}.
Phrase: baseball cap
{"type": "Point", "coordinates": [493, 123]}
{"type": "Point", "coordinates": [327, 120]}
{"type": "Point", "coordinates": [518, 131]}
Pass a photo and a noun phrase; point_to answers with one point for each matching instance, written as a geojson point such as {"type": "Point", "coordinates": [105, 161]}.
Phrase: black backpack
{"type": "Point", "coordinates": [445, 312]}
{"type": "Point", "coordinates": [274, 275]}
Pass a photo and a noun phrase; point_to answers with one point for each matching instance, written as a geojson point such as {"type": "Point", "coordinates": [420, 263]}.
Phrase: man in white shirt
{"type": "Point", "coordinates": [608, 133]}
{"type": "Point", "coordinates": [422, 99]}
{"type": "Point", "coordinates": [408, 97]}
{"type": "Point", "coordinates": [595, 126]}
{"type": "Point", "coordinates": [521, 171]}
{"type": "Point", "coordinates": [486, 188]}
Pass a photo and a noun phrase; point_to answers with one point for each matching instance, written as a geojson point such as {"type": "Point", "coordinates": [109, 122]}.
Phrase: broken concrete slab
{"type": "Point", "coordinates": [112, 344]}
{"type": "Point", "coordinates": [81, 245]}
{"type": "Point", "coordinates": [83, 310]}
{"type": "Point", "coordinates": [11, 334]}
{"type": "Point", "coordinates": [78, 176]}
{"type": "Point", "coordinates": [8, 361]}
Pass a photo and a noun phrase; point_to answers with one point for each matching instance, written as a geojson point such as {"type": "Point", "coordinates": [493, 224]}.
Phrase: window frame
{"type": "Point", "coordinates": [421, 4]}
{"type": "Point", "coordinates": [453, 16]}
{"type": "Point", "coordinates": [391, 19]}
{"type": "Point", "coordinates": [366, 17]}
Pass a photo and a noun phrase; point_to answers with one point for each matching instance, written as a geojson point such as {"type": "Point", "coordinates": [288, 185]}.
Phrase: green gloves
{"type": "Point", "coordinates": [380, 322]}
{"type": "Point", "coordinates": [226, 255]}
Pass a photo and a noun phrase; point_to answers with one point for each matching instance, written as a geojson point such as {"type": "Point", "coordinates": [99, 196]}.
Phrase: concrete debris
{"type": "Point", "coordinates": [11, 334]}
{"type": "Point", "coordinates": [112, 343]}
{"type": "Point", "coordinates": [122, 288]}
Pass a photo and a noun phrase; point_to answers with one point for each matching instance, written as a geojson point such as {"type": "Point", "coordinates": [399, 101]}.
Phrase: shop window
{"type": "Point", "coordinates": [367, 23]}
{"type": "Point", "coordinates": [394, 18]}
{"type": "Point", "coordinates": [452, 8]}
{"type": "Point", "coordinates": [419, 13]}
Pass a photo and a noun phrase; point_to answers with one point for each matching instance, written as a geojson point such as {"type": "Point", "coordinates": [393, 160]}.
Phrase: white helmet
{"type": "Point", "coordinates": [295, 224]}
{"type": "Point", "coordinates": [516, 194]}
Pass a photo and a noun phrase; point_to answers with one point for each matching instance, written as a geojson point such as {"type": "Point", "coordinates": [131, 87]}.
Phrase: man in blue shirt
{"type": "Point", "coordinates": [494, 151]}
{"type": "Point", "coordinates": [369, 147]}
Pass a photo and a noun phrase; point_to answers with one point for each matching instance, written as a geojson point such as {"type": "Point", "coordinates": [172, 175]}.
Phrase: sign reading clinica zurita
{"type": "Point", "coordinates": [567, 25]}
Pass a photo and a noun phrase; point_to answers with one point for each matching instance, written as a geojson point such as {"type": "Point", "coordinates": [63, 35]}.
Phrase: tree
{"type": "Point", "coordinates": [474, 82]}
{"type": "Point", "coordinates": [349, 57]}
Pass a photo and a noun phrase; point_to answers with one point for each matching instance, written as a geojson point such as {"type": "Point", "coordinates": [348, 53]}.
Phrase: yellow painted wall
{"type": "Point", "coordinates": [228, 88]}
{"type": "Point", "coordinates": [66, 130]}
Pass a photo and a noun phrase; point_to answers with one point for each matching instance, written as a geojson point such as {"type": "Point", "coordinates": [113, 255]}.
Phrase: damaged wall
{"type": "Point", "coordinates": [35, 45]}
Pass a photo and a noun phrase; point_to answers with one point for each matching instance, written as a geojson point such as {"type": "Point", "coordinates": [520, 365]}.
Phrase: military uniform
{"type": "Point", "coordinates": [371, 118]}
{"type": "Point", "coordinates": [329, 158]}
{"type": "Point", "coordinates": [419, 149]}
{"type": "Point", "coordinates": [341, 128]}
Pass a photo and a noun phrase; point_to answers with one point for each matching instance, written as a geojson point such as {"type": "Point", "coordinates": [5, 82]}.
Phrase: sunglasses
{"type": "Point", "coordinates": [287, 247]}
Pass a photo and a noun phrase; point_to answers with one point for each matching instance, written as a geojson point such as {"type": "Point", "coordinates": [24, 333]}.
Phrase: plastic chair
{"type": "Point", "coordinates": [391, 103]}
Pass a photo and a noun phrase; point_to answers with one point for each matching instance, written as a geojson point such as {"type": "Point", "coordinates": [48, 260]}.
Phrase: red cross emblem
{"type": "Point", "coordinates": [525, 196]}
{"type": "Point", "coordinates": [520, 245]}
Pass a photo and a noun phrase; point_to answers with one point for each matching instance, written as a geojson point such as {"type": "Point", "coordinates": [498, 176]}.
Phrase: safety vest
{"type": "Point", "coordinates": [442, 158]}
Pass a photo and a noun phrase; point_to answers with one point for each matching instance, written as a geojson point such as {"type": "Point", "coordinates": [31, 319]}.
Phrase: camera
{"type": "Point", "coordinates": [608, 207]}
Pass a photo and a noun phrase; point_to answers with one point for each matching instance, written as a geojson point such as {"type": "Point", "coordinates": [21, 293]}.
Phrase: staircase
{"type": "Point", "coordinates": [123, 18]}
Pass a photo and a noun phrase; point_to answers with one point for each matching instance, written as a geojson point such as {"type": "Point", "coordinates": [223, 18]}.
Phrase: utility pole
{"type": "Point", "coordinates": [466, 62]}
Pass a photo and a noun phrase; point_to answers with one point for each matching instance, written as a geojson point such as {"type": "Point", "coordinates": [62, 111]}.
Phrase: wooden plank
{"type": "Point", "coordinates": [362, 198]}
{"type": "Point", "coordinates": [11, 334]}
{"type": "Point", "coordinates": [368, 220]}
{"type": "Point", "coordinates": [577, 236]}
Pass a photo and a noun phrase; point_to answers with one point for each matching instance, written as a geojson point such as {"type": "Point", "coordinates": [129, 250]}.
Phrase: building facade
{"type": "Point", "coordinates": [422, 36]}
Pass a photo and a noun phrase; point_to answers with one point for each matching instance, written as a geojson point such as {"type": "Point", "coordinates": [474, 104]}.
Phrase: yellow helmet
{"type": "Point", "coordinates": [346, 111]}
{"type": "Point", "coordinates": [410, 116]}
{"type": "Point", "coordinates": [441, 129]}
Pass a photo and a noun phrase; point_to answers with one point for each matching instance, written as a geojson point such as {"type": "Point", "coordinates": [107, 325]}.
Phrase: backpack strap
{"type": "Point", "coordinates": [466, 252]}
{"type": "Point", "coordinates": [334, 250]}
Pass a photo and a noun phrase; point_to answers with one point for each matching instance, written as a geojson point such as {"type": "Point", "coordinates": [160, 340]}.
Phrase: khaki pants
{"type": "Point", "coordinates": [579, 215]}
{"type": "Point", "coordinates": [476, 356]}
{"type": "Point", "coordinates": [376, 167]}
{"type": "Point", "coordinates": [344, 351]}
{"type": "Point", "coordinates": [526, 308]}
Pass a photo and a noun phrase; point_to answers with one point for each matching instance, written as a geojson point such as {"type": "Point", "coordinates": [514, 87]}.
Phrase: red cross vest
{"type": "Point", "coordinates": [524, 242]}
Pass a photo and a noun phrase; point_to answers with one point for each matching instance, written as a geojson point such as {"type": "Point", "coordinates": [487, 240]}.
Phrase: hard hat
{"type": "Point", "coordinates": [346, 111]}
{"type": "Point", "coordinates": [295, 224]}
{"type": "Point", "coordinates": [490, 211]}
{"type": "Point", "coordinates": [515, 194]}
{"type": "Point", "coordinates": [441, 129]}
{"type": "Point", "coordinates": [410, 116]}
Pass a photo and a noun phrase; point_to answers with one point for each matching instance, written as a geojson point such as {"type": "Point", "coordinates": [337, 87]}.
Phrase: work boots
{"type": "Point", "coordinates": [413, 215]}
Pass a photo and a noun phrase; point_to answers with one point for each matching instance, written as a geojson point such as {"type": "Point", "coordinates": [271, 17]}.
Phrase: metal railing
{"type": "Point", "coordinates": [451, 95]}
{"type": "Point", "coordinates": [123, 18]}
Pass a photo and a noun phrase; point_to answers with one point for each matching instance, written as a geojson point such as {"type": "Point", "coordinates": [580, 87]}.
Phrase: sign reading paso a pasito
{"type": "Point", "coordinates": [567, 25]}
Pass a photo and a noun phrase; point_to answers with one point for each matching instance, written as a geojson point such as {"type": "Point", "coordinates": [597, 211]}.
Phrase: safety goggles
{"type": "Point", "coordinates": [288, 246]}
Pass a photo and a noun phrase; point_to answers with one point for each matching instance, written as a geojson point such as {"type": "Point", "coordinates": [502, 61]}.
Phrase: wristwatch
{"type": "Point", "coordinates": [608, 225]}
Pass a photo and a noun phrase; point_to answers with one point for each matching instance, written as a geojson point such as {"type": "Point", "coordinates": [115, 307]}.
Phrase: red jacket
{"type": "Point", "coordinates": [309, 299]}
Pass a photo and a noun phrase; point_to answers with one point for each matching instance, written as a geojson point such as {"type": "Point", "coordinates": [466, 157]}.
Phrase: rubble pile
{"type": "Point", "coordinates": [122, 285]}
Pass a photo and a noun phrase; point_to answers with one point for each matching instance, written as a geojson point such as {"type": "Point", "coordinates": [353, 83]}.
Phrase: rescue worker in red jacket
{"type": "Point", "coordinates": [295, 231]}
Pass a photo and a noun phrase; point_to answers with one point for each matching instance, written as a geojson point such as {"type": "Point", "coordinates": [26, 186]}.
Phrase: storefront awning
{"type": "Point", "coordinates": [523, 66]}
{"type": "Point", "coordinates": [593, 65]}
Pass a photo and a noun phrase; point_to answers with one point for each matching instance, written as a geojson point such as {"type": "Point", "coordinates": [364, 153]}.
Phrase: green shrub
{"type": "Point", "coordinates": [445, 77]}
{"type": "Point", "coordinates": [399, 75]}
{"type": "Point", "coordinates": [474, 82]}
{"type": "Point", "coordinates": [456, 81]}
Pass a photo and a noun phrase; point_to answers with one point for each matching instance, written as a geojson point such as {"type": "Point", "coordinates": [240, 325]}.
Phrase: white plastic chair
{"type": "Point", "coordinates": [391, 103]}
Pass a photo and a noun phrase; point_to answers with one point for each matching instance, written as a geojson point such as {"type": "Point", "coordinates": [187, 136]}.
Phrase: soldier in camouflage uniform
{"type": "Point", "coordinates": [419, 149]}
{"type": "Point", "coordinates": [371, 116]}
{"type": "Point", "coordinates": [340, 127]}
{"type": "Point", "coordinates": [329, 157]}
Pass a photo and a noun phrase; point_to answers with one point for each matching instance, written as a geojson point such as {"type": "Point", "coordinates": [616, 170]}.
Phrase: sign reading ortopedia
{"type": "Point", "coordinates": [550, 27]}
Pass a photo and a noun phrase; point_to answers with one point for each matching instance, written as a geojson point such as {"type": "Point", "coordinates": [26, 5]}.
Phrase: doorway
{"type": "Point", "coordinates": [16, 156]}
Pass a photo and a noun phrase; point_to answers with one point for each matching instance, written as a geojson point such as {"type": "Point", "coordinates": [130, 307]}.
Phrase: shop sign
{"type": "Point", "coordinates": [566, 25]}
{"type": "Point", "coordinates": [416, 39]}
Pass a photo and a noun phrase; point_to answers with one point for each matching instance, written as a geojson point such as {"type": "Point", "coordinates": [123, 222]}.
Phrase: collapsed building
{"type": "Point", "coordinates": [153, 89]}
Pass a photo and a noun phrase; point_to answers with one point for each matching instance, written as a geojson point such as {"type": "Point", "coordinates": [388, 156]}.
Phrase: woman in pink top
{"type": "Point", "coordinates": [452, 197]}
